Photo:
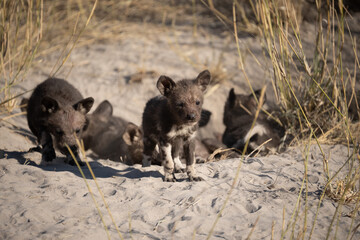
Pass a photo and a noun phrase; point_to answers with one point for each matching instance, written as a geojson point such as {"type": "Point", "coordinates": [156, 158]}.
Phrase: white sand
{"type": "Point", "coordinates": [53, 202]}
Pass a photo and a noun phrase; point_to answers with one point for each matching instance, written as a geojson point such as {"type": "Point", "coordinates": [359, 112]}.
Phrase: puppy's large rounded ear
{"type": "Point", "coordinates": [49, 105]}
{"type": "Point", "coordinates": [104, 109]}
{"type": "Point", "coordinates": [24, 104]}
{"type": "Point", "coordinates": [132, 134]}
{"type": "Point", "coordinates": [252, 103]}
{"type": "Point", "coordinates": [84, 105]}
{"type": "Point", "coordinates": [231, 98]}
{"type": "Point", "coordinates": [258, 94]}
{"type": "Point", "coordinates": [203, 79]}
{"type": "Point", "coordinates": [165, 85]}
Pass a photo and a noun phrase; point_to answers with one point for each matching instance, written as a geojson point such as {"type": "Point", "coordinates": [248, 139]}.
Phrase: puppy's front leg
{"type": "Point", "coordinates": [70, 159]}
{"type": "Point", "coordinates": [167, 162]}
{"type": "Point", "coordinates": [176, 155]}
{"type": "Point", "coordinates": [48, 152]}
{"type": "Point", "coordinates": [189, 151]}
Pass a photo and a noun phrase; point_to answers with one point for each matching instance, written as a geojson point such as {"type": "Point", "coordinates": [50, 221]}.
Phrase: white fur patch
{"type": "Point", "coordinates": [157, 149]}
{"type": "Point", "coordinates": [258, 129]}
{"type": "Point", "coordinates": [178, 163]}
{"type": "Point", "coordinates": [185, 131]}
{"type": "Point", "coordinates": [167, 152]}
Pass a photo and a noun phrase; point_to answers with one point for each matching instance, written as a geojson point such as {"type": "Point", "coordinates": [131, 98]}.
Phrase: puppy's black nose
{"type": "Point", "coordinates": [190, 116]}
{"type": "Point", "coordinates": [74, 148]}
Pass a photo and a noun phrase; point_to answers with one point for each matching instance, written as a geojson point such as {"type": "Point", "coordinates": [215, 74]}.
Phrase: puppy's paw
{"type": "Point", "coordinates": [169, 178]}
{"type": "Point", "coordinates": [146, 161]}
{"type": "Point", "coordinates": [180, 170]}
{"type": "Point", "coordinates": [48, 154]}
{"type": "Point", "coordinates": [71, 161]}
{"type": "Point", "coordinates": [195, 179]}
{"type": "Point", "coordinates": [35, 149]}
{"type": "Point", "coordinates": [200, 160]}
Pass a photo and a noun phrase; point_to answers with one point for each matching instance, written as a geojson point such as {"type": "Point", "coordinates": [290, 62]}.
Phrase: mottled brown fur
{"type": "Point", "coordinates": [112, 137]}
{"type": "Point", "coordinates": [56, 115]}
{"type": "Point", "coordinates": [239, 113]}
{"type": "Point", "coordinates": [170, 121]}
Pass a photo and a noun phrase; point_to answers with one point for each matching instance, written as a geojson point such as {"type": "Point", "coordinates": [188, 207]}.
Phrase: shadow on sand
{"type": "Point", "coordinates": [100, 170]}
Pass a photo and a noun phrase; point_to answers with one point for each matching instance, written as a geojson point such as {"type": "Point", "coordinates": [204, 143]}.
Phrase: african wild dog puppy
{"type": "Point", "coordinates": [170, 121]}
{"type": "Point", "coordinates": [239, 114]}
{"type": "Point", "coordinates": [201, 152]}
{"type": "Point", "coordinates": [56, 115]}
{"type": "Point", "coordinates": [112, 137]}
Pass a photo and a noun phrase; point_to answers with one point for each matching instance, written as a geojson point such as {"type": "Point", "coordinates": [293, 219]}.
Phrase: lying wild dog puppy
{"type": "Point", "coordinates": [170, 122]}
{"type": "Point", "coordinates": [112, 137]}
{"type": "Point", "coordinates": [56, 114]}
{"type": "Point", "coordinates": [239, 114]}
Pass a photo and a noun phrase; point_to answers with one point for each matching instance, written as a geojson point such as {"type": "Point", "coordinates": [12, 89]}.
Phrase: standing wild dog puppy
{"type": "Point", "coordinates": [112, 137]}
{"type": "Point", "coordinates": [239, 114]}
{"type": "Point", "coordinates": [56, 113]}
{"type": "Point", "coordinates": [170, 122]}
{"type": "Point", "coordinates": [201, 152]}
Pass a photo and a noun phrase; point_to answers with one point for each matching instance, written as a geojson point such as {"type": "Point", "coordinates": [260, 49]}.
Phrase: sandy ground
{"type": "Point", "coordinates": [53, 202]}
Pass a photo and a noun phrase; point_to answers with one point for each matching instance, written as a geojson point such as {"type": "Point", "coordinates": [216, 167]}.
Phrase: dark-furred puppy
{"type": "Point", "coordinates": [112, 137]}
{"type": "Point", "coordinates": [170, 121]}
{"type": "Point", "coordinates": [201, 152]}
{"type": "Point", "coordinates": [56, 115]}
{"type": "Point", "coordinates": [239, 114]}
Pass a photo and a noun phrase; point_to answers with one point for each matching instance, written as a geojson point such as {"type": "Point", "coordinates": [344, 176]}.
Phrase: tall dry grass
{"type": "Point", "coordinates": [20, 36]}
{"type": "Point", "coordinates": [316, 92]}
{"type": "Point", "coordinates": [28, 29]}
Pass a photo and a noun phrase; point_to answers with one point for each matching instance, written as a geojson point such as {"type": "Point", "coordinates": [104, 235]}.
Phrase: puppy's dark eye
{"type": "Point", "coordinates": [77, 131]}
{"type": "Point", "coordinates": [197, 102]}
{"type": "Point", "coordinates": [180, 104]}
{"type": "Point", "coordinates": [87, 123]}
{"type": "Point", "coordinates": [59, 132]}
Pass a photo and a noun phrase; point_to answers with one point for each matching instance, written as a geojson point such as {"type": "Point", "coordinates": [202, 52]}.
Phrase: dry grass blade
{"type": "Point", "coordinates": [253, 228]}
{"type": "Point", "coordinates": [20, 33]}
{"type": "Point", "coordinates": [90, 191]}
{"type": "Point", "coordinates": [77, 38]}
{"type": "Point", "coordinates": [328, 185]}
{"type": "Point", "coordinates": [339, 191]}
{"type": "Point", "coordinates": [236, 178]}
{"type": "Point", "coordinates": [12, 115]}
{"type": "Point", "coordinates": [225, 153]}
{"type": "Point", "coordinates": [82, 149]}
